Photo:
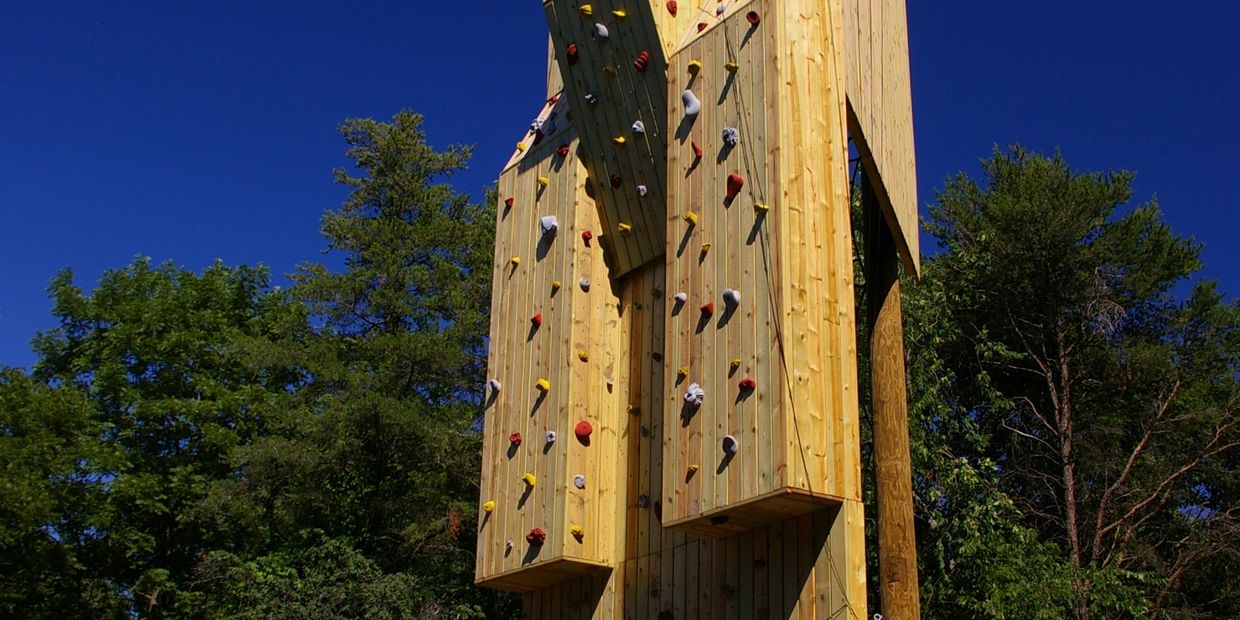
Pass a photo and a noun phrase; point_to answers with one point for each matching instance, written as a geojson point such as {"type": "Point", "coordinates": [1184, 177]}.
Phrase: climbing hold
{"type": "Point", "coordinates": [619, 13]}
{"type": "Point", "coordinates": [697, 150]}
{"type": "Point", "coordinates": [584, 283]}
{"type": "Point", "coordinates": [730, 446]}
{"type": "Point", "coordinates": [626, 229]}
{"type": "Point", "coordinates": [735, 182]}
{"type": "Point", "coordinates": [634, 410]}
{"type": "Point", "coordinates": [591, 98]}
{"type": "Point", "coordinates": [640, 62]}
{"type": "Point", "coordinates": [536, 537]}
{"type": "Point", "coordinates": [552, 99]}
{"type": "Point", "coordinates": [736, 363]}
{"type": "Point", "coordinates": [695, 66]}
{"type": "Point", "coordinates": [543, 181]}
{"type": "Point", "coordinates": [610, 72]}
{"type": "Point", "coordinates": [693, 468]}
{"type": "Point", "coordinates": [758, 206]}
{"type": "Point", "coordinates": [705, 248]}
{"type": "Point", "coordinates": [543, 385]}
{"type": "Point", "coordinates": [682, 372]}
{"type": "Point", "coordinates": [681, 297]}
{"type": "Point", "coordinates": [639, 127]}
{"type": "Point", "coordinates": [550, 436]}
{"type": "Point", "coordinates": [695, 395]}
{"type": "Point", "coordinates": [708, 308]}
{"type": "Point", "coordinates": [642, 190]}
{"type": "Point", "coordinates": [731, 136]}
{"type": "Point", "coordinates": [583, 430]}
{"type": "Point", "coordinates": [536, 319]}
{"type": "Point", "coordinates": [516, 260]}
{"type": "Point", "coordinates": [549, 224]}
{"type": "Point", "coordinates": [656, 356]}
{"type": "Point", "coordinates": [577, 532]}
{"type": "Point", "coordinates": [753, 18]}
{"type": "Point", "coordinates": [515, 439]}
{"type": "Point", "coordinates": [583, 355]}
{"type": "Point", "coordinates": [600, 32]}
{"type": "Point", "coordinates": [508, 202]}
{"type": "Point", "coordinates": [508, 545]}
{"type": "Point", "coordinates": [586, 236]}
{"type": "Point", "coordinates": [521, 147]}
{"type": "Point", "coordinates": [731, 296]}
{"type": "Point", "coordinates": [555, 285]}
{"type": "Point", "coordinates": [701, 26]}
{"type": "Point", "coordinates": [529, 479]}
{"type": "Point", "coordinates": [579, 481]}
{"type": "Point", "coordinates": [672, 7]}
{"type": "Point", "coordinates": [536, 125]}
{"type": "Point", "coordinates": [586, 10]}
{"type": "Point", "coordinates": [494, 384]}
{"type": "Point", "coordinates": [720, 9]}
{"type": "Point", "coordinates": [562, 150]}
{"type": "Point", "coordinates": [657, 292]}
{"type": "Point", "coordinates": [488, 505]}
{"type": "Point", "coordinates": [618, 140]}
{"type": "Point", "coordinates": [731, 67]}
{"type": "Point", "coordinates": [616, 181]}
{"type": "Point", "coordinates": [691, 102]}
{"type": "Point", "coordinates": [690, 217]}
{"type": "Point", "coordinates": [643, 500]}
{"type": "Point", "coordinates": [571, 52]}
{"type": "Point", "coordinates": [748, 384]}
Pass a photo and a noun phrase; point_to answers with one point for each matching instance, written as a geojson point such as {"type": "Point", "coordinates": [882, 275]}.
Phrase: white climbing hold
{"type": "Point", "coordinates": [536, 124]}
{"type": "Point", "coordinates": [691, 102]}
{"type": "Point", "coordinates": [600, 32]}
{"type": "Point", "coordinates": [639, 127]}
{"type": "Point", "coordinates": [681, 297]}
{"type": "Point", "coordinates": [584, 283]}
{"type": "Point", "coordinates": [731, 136]}
{"type": "Point", "coordinates": [549, 224]}
{"type": "Point", "coordinates": [720, 9]}
{"type": "Point", "coordinates": [494, 385]}
{"type": "Point", "coordinates": [732, 296]}
{"type": "Point", "coordinates": [550, 436]}
{"type": "Point", "coordinates": [730, 446]}
{"type": "Point", "coordinates": [579, 481]}
{"type": "Point", "coordinates": [695, 394]}
{"type": "Point", "coordinates": [591, 98]}
{"type": "Point", "coordinates": [642, 190]}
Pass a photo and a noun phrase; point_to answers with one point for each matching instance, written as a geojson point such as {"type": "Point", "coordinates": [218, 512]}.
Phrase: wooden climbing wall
{"type": "Point", "coordinates": [783, 242]}
{"type": "Point", "coordinates": [880, 104]}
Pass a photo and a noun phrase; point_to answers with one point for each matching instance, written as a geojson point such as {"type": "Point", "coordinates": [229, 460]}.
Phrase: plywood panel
{"type": "Point", "coordinates": [881, 111]}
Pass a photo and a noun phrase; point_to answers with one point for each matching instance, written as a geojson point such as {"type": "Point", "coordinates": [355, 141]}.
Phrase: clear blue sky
{"type": "Point", "coordinates": [193, 131]}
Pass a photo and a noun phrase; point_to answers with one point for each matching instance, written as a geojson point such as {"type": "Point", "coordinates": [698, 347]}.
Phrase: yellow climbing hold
{"type": "Point", "coordinates": [693, 468]}
{"type": "Point", "coordinates": [583, 355]}
{"type": "Point", "coordinates": [529, 479]}
{"type": "Point", "coordinates": [586, 10]}
{"type": "Point", "coordinates": [516, 260]}
{"type": "Point", "coordinates": [763, 207]}
{"type": "Point", "coordinates": [521, 147]}
{"type": "Point", "coordinates": [626, 229]}
{"type": "Point", "coordinates": [736, 363]}
{"type": "Point", "coordinates": [706, 247]}
{"type": "Point", "coordinates": [619, 13]}
{"type": "Point", "coordinates": [618, 140]}
{"type": "Point", "coordinates": [731, 67]}
{"type": "Point", "coordinates": [578, 532]}
{"type": "Point", "coordinates": [543, 385]}
{"type": "Point", "coordinates": [683, 372]}
{"type": "Point", "coordinates": [488, 506]}
{"type": "Point", "coordinates": [543, 181]}
{"type": "Point", "coordinates": [555, 285]}
{"type": "Point", "coordinates": [695, 65]}
{"type": "Point", "coordinates": [690, 217]}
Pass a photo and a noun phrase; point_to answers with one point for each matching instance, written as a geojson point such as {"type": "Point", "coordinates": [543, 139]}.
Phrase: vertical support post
{"type": "Point", "coordinates": [897, 545]}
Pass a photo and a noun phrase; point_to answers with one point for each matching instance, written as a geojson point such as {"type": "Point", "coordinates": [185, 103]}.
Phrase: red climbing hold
{"type": "Point", "coordinates": [748, 384]}
{"type": "Point", "coordinates": [571, 52]}
{"type": "Point", "coordinates": [697, 150]}
{"type": "Point", "coordinates": [515, 439]}
{"type": "Point", "coordinates": [536, 537]}
{"type": "Point", "coordinates": [708, 309]}
{"type": "Point", "coordinates": [536, 319]}
{"type": "Point", "coordinates": [640, 62]}
{"type": "Point", "coordinates": [583, 430]}
{"type": "Point", "coordinates": [701, 26]}
{"type": "Point", "coordinates": [562, 150]}
{"type": "Point", "coordinates": [753, 18]}
{"type": "Point", "coordinates": [735, 182]}
{"type": "Point", "coordinates": [586, 236]}
{"type": "Point", "coordinates": [671, 7]}
{"type": "Point", "coordinates": [616, 181]}
{"type": "Point", "coordinates": [553, 98]}
{"type": "Point", "coordinates": [508, 202]}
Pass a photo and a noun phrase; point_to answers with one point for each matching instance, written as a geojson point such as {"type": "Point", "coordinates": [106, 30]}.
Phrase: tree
{"type": "Point", "coordinates": [1116, 434]}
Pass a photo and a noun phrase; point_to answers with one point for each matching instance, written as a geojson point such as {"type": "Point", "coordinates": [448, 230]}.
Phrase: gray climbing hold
{"type": "Point", "coordinates": [579, 481]}
{"type": "Point", "coordinates": [695, 394]}
{"type": "Point", "coordinates": [600, 32]}
{"type": "Point", "coordinates": [495, 385]}
{"type": "Point", "coordinates": [691, 102]}
{"type": "Point", "coordinates": [642, 190]}
{"type": "Point", "coordinates": [730, 446]}
{"type": "Point", "coordinates": [731, 296]}
{"type": "Point", "coordinates": [731, 136]}
{"type": "Point", "coordinates": [549, 224]}
{"type": "Point", "coordinates": [681, 297]}
{"type": "Point", "coordinates": [536, 124]}
{"type": "Point", "coordinates": [591, 98]}
{"type": "Point", "coordinates": [550, 436]}
{"type": "Point", "coordinates": [584, 283]}
{"type": "Point", "coordinates": [639, 127]}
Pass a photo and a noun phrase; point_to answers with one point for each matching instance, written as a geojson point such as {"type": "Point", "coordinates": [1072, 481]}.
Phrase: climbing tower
{"type": "Point", "coordinates": [671, 426]}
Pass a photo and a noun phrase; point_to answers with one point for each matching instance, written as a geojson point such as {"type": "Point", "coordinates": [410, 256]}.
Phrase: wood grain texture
{"type": "Point", "coordinates": [880, 104]}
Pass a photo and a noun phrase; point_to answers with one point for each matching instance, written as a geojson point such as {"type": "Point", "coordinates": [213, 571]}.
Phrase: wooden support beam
{"type": "Point", "coordinates": [897, 544]}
